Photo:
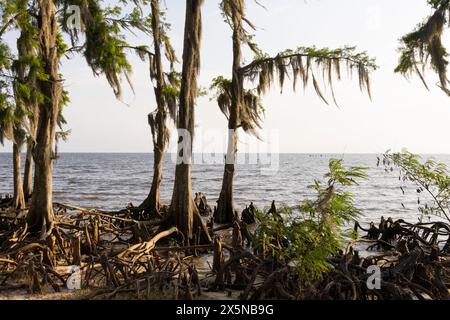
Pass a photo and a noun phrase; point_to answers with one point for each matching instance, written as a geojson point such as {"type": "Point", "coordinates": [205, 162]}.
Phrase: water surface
{"type": "Point", "coordinates": [111, 181]}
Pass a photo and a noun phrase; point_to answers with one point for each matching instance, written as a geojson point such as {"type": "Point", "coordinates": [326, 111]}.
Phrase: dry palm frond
{"type": "Point", "coordinates": [304, 63]}
{"type": "Point", "coordinates": [423, 47]}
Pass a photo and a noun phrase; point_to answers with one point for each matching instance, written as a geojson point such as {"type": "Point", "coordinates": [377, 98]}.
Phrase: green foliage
{"type": "Point", "coordinates": [5, 56]}
{"type": "Point", "coordinates": [104, 47]}
{"type": "Point", "coordinates": [344, 176]}
{"type": "Point", "coordinates": [222, 93]}
{"type": "Point", "coordinates": [104, 42]}
{"type": "Point", "coordinates": [6, 118]}
{"type": "Point", "coordinates": [305, 238]}
{"type": "Point", "coordinates": [7, 106]}
{"type": "Point", "coordinates": [303, 243]}
{"type": "Point", "coordinates": [430, 178]}
{"type": "Point", "coordinates": [304, 63]}
{"type": "Point", "coordinates": [25, 71]}
{"type": "Point", "coordinates": [171, 92]}
{"type": "Point", "coordinates": [422, 48]}
{"type": "Point", "coordinates": [251, 108]}
{"type": "Point", "coordinates": [28, 69]}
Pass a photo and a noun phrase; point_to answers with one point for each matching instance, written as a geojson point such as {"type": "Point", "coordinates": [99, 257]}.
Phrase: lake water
{"type": "Point", "coordinates": [111, 181]}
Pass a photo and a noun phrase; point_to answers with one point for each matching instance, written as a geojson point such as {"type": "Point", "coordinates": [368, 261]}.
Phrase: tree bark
{"type": "Point", "coordinates": [225, 205]}
{"type": "Point", "coordinates": [23, 50]}
{"type": "Point", "coordinates": [183, 209]}
{"type": "Point", "coordinates": [153, 202]}
{"type": "Point", "coordinates": [40, 216]}
{"type": "Point", "coordinates": [19, 200]}
{"type": "Point", "coordinates": [28, 172]}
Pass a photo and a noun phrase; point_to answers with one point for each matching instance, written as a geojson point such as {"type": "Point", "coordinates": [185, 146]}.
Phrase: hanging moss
{"type": "Point", "coordinates": [423, 48]}
{"type": "Point", "coordinates": [251, 108]}
{"type": "Point", "coordinates": [305, 63]}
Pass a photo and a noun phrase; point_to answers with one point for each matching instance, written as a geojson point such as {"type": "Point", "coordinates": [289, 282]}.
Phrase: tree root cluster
{"type": "Point", "coordinates": [114, 254]}
{"type": "Point", "coordinates": [119, 256]}
{"type": "Point", "coordinates": [411, 262]}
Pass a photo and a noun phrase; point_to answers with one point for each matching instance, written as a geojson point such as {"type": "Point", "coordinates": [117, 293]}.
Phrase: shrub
{"type": "Point", "coordinates": [430, 178]}
{"type": "Point", "coordinates": [304, 237]}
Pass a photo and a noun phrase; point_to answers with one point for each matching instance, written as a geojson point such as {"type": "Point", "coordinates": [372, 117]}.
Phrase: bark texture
{"type": "Point", "coordinates": [19, 199]}
{"type": "Point", "coordinates": [28, 172]}
{"type": "Point", "coordinates": [183, 209]}
{"type": "Point", "coordinates": [40, 216]}
{"type": "Point", "coordinates": [225, 205]}
{"type": "Point", "coordinates": [160, 132]}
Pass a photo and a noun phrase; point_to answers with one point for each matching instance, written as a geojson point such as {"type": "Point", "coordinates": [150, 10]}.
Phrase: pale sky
{"type": "Point", "coordinates": [402, 114]}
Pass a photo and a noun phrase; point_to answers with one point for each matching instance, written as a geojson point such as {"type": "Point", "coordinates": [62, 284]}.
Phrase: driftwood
{"type": "Point", "coordinates": [82, 237]}
{"type": "Point", "coordinates": [138, 250]}
{"type": "Point", "coordinates": [119, 255]}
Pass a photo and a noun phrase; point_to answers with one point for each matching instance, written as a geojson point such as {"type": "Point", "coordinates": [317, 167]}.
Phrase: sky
{"type": "Point", "coordinates": [402, 113]}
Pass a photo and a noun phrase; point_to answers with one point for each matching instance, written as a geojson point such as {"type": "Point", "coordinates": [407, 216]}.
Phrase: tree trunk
{"type": "Point", "coordinates": [40, 215]}
{"type": "Point", "coordinates": [182, 207]}
{"type": "Point", "coordinates": [19, 200]}
{"type": "Point", "coordinates": [24, 50]}
{"type": "Point", "coordinates": [183, 210]}
{"type": "Point", "coordinates": [153, 202]}
{"type": "Point", "coordinates": [225, 205]}
{"type": "Point", "coordinates": [28, 172]}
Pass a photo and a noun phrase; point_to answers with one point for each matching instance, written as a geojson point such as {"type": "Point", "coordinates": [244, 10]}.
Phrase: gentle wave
{"type": "Point", "coordinates": [111, 181]}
